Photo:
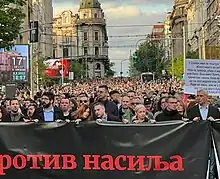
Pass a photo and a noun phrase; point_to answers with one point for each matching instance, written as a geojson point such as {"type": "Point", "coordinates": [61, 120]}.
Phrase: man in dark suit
{"type": "Point", "coordinates": [205, 111]}
{"type": "Point", "coordinates": [48, 112]}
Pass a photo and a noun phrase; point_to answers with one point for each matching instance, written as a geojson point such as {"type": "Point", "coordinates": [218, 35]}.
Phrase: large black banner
{"type": "Point", "coordinates": [104, 151]}
{"type": "Point", "coordinates": [216, 137]}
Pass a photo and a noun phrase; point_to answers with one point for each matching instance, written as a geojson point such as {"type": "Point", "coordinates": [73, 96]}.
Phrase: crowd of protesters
{"type": "Point", "coordinates": [119, 100]}
{"type": "Point", "coordinates": [128, 101]}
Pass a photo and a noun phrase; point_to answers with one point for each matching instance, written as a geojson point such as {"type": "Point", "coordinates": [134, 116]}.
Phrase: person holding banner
{"type": "Point", "coordinates": [170, 112]}
{"type": "Point", "coordinates": [141, 115]}
{"type": "Point", "coordinates": [205, 111]}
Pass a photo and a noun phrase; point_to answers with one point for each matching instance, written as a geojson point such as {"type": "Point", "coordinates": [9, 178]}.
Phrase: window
{"type": "Point", "coordinates": [96, 50]}
{"type": "Point", "coordinates": [84, 16]}
{"type": "Point", "coordinates": [182, 10]}
{"type": "Point", "coordinates": [65, 20]}
{"type": "Point", "coordinates": [85, 51]}
{"type": "Point", "coordinates": [67, 40]}
{"type": "Point", "coordinates": [54, 53]}
{"type": "Point", "coordinates": [65, 52]}
{"type": "Point", "coordinates": [96, 35]}
{"type": "Point", "coordinates": [95, 16]}
{"type": "Point", "coordinates": [85, 36]}
{"type": "Point", "coordinates": [98, 66]}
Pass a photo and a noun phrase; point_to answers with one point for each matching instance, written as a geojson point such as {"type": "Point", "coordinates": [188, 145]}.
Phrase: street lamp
{"type": "Point", "coordinates": [121, 73]}
{"type": "Point", "coordinates": [136, 46]}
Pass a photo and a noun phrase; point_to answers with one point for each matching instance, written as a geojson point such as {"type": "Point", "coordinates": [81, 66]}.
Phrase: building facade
{"type": "Point", "coordinates": [41, 11]}
{"type": "Point", "coordinates": [201, 20]}
{"type": "Point", "coordinates": [65, 35]}
{"type": "Point", "coordinates": [178, 21]}
{"type": "Point", "coordinates": [203, 28]}
{"type": "Point", "coordinates": [83, 37]}
{"type": "Point", "coordinates": [167, 36]}
{"type": "Point", "coordinates": [92, 38]}
{"type": "Point", "coordinates": [196, 17]}
{"type": "Point", "coordinates": [212, 33]}
{"type": "Point", "coordinates": [157, 35]}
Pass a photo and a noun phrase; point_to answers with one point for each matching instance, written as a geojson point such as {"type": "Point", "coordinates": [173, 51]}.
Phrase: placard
{"type": "Point", "coordinates": [202, 74]}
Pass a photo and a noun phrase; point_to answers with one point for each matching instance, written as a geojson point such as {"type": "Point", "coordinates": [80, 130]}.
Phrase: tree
{"type": "Point", "coordinates": [193, 55]}
{"type": "Point", "coordinates": [43, 78]}
{"type": "Point", "coordinates": [11, 18]}
{"type": "Point", "coordinates": [176, 67]}
{"type": "Point", "coordinates": [108, 69]}
{"type": "Point", "coordinates": [150, 58]}
{"type": "Point", "coordinates": [77, 68]}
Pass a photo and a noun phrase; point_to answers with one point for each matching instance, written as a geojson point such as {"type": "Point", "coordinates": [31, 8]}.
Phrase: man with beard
{"type": "Point", "coordinates": [49, 112]}
{"type": "Point", "coordinates": [110, 107]}
{"type": "Point", "coordinates": [15, 113]}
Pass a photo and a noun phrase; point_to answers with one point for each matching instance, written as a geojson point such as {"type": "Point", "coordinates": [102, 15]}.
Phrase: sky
{"type": "Point", "coordinates": [122, 13]}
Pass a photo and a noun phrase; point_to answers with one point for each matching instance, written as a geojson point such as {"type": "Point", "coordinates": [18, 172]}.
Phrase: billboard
{"type": "Point", "coordinates": [57, 67]}
{"type": "Point", "coordinates": [14, 64]}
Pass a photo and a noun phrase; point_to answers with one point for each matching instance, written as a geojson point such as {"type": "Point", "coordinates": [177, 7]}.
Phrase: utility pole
{"type": "Point", "coordinates": [203, 43]}
{"type": "Point", "coordinates": [62, 77]}
{"type": "Point", "coordinates": [172, 57]}
{"type": "Point", "coordinates": [184, 46]}
{"type": "Point", "coordinates": [37, 67]}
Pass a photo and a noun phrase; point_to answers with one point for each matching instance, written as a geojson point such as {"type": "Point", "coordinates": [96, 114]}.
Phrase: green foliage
{"type": "Point", "coordinates": [77, 68]}
{"type": "Point", "coordinates": [43, 78]}
{"type": "Point", "coordinates": [150, 58]}
{"type": "Point", "coordinates": [108, 69]}
{"type": "Point", "coordinates": [192, 55]}
{"type": "Point", "coordinates": [176, 67]}
{"type": "Point", "coordinates": [11, 18]}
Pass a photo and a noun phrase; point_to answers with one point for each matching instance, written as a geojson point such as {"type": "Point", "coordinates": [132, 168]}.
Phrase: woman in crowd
{"type": "Point", "coordinates": [141, 115]}
{"type": "Point", "coordinates": [83, 113]}
{"type": "Point", "coordinates": [180, 108]}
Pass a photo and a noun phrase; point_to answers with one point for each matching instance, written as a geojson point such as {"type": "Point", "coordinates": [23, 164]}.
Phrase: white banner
{"type": "Point", "coordinates": [202, 74]}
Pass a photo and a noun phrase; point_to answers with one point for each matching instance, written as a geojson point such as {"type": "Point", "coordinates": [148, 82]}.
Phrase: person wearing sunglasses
{"type": "Point", "coordinates": [83, 99]}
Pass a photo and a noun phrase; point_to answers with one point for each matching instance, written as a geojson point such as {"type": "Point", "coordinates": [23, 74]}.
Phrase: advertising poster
{"type": "Point", "coordinates": [56, 67]}
{"type": "Point", "coordinates": [14, 64]}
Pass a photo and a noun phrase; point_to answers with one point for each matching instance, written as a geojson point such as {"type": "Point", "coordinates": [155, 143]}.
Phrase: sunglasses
{"type": "Point", "coordinates": [83, 101]}
{"type": "Point", "coordinates": [135, 103]}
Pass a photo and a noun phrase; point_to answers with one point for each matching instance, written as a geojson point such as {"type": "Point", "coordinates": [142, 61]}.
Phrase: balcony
{"type": "Point", "coordinates": [97, 57]}
{"type": "Point", "coordinates": [99, 21]}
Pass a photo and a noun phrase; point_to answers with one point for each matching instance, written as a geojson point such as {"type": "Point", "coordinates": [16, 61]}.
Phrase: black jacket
{"type": "Point", "coordinates": [194, 112]}
{"type": "Point", "coordinates": [111, 110]}
{"type": "Point", "coordinates": [58, 114]}
{"type": "Point", "coordinates": [168, 116]}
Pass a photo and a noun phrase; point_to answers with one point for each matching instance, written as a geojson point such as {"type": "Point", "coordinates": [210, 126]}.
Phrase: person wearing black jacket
{"type": "Point", "coordinates": [205, 111]}
{"type": "Point", "coordinates": [48, 112]}
{"type": "Point", "coordinates": [111, 108]}
{"type": "Point", "coordinates": [170, 112]}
